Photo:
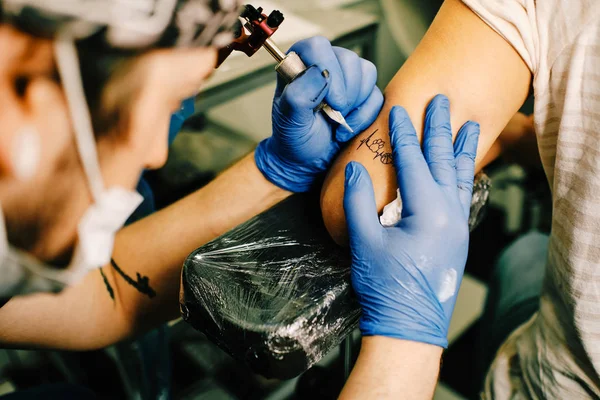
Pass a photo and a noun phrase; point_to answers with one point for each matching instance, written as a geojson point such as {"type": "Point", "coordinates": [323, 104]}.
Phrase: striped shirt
{"type": "Point", "coordinates": [556, 354]}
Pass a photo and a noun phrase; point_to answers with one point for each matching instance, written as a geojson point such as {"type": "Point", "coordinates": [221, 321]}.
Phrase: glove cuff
{"type": "Point", "coordinates": [404, 333]}
{"type": "Point", "coordinates": [278, 172]}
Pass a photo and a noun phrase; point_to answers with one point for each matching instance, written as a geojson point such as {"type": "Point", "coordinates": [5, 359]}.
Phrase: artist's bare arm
{"type": "Point", "coordinates": [390, 368]}
{"type": "Point", "coordinates": [461, 57]}
{"type": "Point", "coordinates": [87, 317]}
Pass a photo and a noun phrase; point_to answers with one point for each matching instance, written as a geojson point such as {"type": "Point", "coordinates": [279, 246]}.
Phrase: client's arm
{"type": "Point", "coordinates": [388, 366]}
{"type": "Point", "coordinates": [107, 307]}
{"type": "Point", "coordinates": [461, 57]}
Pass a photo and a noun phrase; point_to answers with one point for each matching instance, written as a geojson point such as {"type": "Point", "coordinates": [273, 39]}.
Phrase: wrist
{"type": "Point", "coordinates": [279, 172]}
{"type": "Point", "coordinates": [387, 347]}
{"type": "Point", "coordinates": [429, 330]}
{"type": "Point", "coordinates": [403, 360]}
{"type": "Point", "coordinates": [392, 368]}
{"type": "Point", "coordinates": [271, 190]}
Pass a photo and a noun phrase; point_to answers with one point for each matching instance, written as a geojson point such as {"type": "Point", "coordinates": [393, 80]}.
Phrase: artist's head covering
{"type": "Point", "coordinates": [128, 24]}
{"type": "Point", "coordinates": [89, 39]}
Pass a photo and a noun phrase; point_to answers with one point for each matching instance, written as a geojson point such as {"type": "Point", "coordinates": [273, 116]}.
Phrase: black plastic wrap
{"type": "Point", "coordinates": [275, 292]}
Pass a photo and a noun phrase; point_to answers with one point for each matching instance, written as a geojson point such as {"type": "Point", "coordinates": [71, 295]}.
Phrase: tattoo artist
{"type": "Point", "coordinates": [71, 155]}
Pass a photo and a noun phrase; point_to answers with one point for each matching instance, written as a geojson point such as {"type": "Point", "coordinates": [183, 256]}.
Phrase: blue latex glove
{"type": "Point", "coordinates": [305, 141]}
{"type": "Point", "coordinates": [407, 277]}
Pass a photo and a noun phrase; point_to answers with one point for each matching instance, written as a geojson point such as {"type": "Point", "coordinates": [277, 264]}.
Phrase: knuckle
{"type": "Point", "coordinates": [440, 100]}
{"type": "Point", "coordinates": [404, 145]}
{"type": "Point", "coordinates": [317, 43]}
{"type": "Point", "coordinates": [465, 165]}
{"type": "Point", "coordinates": [300, 45]}
{"type": "Point", "coordinates": [368, 68]}
{"type": "Point", "coordinates": [465, 159]}
{"type": "Point", "coordinates": [465, 184]}
{"type": "Point", "coordinates": [439, 128]}
{"type": "Point", "coordinates": [442, 164]}
{"type": "Point", "coordinates": [402, 138]}
{"type": "Point", "coordinates": [347, 57]}
{"type": "Point", "coordinates": [405, 163]}
{"type": "Point", "coordinates": [439, 148]}
{"type": "Point", "coordinates": [374, 104]}
{"type": "Point", "coordinates": [399, 118]}
{"type": "Point", "coordinates": [398, 127]}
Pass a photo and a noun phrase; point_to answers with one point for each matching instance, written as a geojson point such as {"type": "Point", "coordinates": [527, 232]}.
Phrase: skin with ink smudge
{"type": "Point", "coordinates": [142, 284]}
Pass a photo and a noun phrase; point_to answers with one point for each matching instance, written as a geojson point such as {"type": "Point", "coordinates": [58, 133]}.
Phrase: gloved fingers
{"type": "Point", "coordinates": [300, 98]}
{"type": "Point", "coordinates": [465, 150]}
{"type": "Point", "coordinates": [318, 51]}
{"type": "Point", "coordinates": [352, 72]}
{"type": "Point", "coordinates": [437, 142]}
{"type": "Point", "coordinates": [369, 80]}
{"type": "Point", "coordinates": [359, 206]}
{"type": "Point", "coordinates": [361, 117]}
{"type": "Point", "coordinates": [414, 179]}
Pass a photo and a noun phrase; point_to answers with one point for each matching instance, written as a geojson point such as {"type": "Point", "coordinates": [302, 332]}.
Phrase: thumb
{"type": "Point", "coordinates": [305, 93]}
{"type": "Point", "coordinates": [359, 205]}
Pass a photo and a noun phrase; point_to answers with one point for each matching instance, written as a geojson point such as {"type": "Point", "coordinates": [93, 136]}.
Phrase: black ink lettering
{"type": "Point", "coordinates": [376, 147]}
{"type": "Point", "coordinates": [142, 284]}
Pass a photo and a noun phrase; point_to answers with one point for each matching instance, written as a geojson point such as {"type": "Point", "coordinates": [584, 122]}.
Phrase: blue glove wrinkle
{"type": "Point", "coordinates": [369, 80]}
{"type": "Point", "coordinates": [408, 161]}
{"type": "Point", "coordinates": [368, 95]}
{"type": "Point", "coordinates": [465, 149]}
{"type": "Point", "coordinates": [302, 96]}
{"type": "Point", "coordinates": [353, 77]}
{"type": "Point", "coordinates": [303, 144]}
{"type": "Point", "coordinates": [439, 152]}
{"type": "Point", "coordinates": [407, 277]}
{"type": "Point", "coordinates": [383, 317]}
{"type": "Point", "coordinates": [318, 51]}
{"type": "Point", "coordinates": [362, 116]}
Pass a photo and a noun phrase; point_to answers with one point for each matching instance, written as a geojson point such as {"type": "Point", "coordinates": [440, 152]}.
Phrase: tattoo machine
{"type": "Point", "coordinates": [289, 67]}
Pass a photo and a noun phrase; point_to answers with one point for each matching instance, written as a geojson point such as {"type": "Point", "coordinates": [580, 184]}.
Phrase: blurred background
{"type": "Point", "coordinates": [232, 116]}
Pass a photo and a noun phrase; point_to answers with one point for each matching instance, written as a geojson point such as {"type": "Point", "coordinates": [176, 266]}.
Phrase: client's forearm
{"type": "Point", "coordinates": [483, 76]}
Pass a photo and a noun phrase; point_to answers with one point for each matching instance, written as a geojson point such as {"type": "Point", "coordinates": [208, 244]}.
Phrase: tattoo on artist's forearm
{"type": "Point", "coordinates": [376, 147]}
{"type": "Point", "coordinates": [109, 288]}
{"type": "Point", "coordinates": [142, 284]}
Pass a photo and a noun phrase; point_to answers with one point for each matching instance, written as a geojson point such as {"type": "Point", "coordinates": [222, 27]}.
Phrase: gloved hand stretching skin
{"type": "Point", "coordinates": [407, 277]}
{"type": "Point", "coordinates": [305, 141]}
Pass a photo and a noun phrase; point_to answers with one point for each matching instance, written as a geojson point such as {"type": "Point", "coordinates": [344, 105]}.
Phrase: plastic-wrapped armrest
{"type": "Point", "coordinates": [275, 292]}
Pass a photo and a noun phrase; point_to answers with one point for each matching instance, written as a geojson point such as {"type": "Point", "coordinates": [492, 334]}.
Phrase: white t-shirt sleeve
{"type": "Point", "coordinates": [515, 21]}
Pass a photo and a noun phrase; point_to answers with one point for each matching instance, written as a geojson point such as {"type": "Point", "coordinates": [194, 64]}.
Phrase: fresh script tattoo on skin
{"type": "Point", "coordinates": [142, 284]}
{"type": "Point", "coordinates": [376, 147]}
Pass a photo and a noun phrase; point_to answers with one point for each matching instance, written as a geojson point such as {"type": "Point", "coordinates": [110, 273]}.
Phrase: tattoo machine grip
{"type": "Point", "coordinates": [290, 67]}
